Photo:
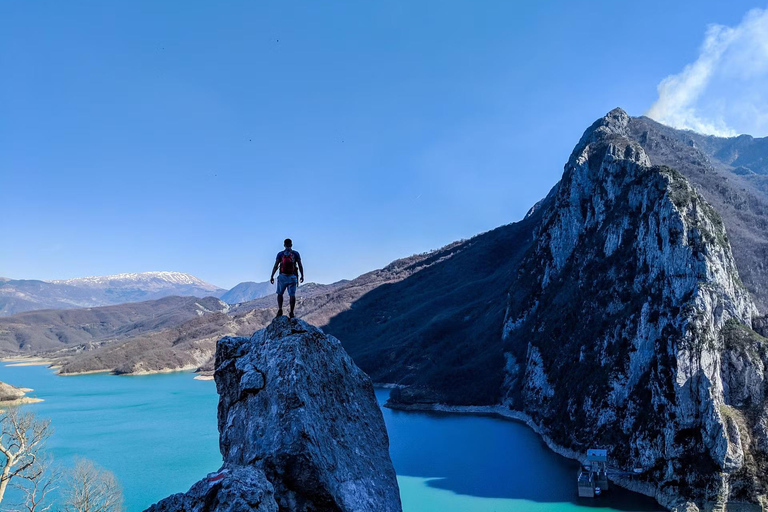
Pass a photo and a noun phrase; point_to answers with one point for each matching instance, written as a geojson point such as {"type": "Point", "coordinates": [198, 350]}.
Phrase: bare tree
{"type": "Point", "coordinates": [92, 489]}
{"type": "Point", "coordinates": [21, 438]}
{"type": "Point", "coordinates": [36, 492]}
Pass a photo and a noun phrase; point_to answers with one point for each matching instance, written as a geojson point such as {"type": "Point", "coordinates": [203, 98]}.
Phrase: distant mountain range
{"type": "Point", "coordinates": [19, 295]}
{"type": "Point", "coordinates": [174, 332]}
{"type": "Point", "coordinates": [246, 291]}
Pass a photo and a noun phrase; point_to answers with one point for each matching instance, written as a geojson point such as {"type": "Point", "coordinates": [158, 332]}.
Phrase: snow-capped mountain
{"type": "Point", "coordinates": [17, 295]}
{"type": "Point", "coordinates": [153, 280]}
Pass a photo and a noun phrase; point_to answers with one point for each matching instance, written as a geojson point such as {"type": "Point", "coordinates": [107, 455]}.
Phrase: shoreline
{"type": "Point", "coordinates": [87, 372]}
{"type": "Point", "coordinates": [37, 361]}
{"type": "Point", "coordinates": [20, 401]}
{"type": "Point", "coordinates": [672, 503]}
{"type": "Point", "coordinates": [142, 373]}
{"type": "Point", "coordinates": [26, 361]}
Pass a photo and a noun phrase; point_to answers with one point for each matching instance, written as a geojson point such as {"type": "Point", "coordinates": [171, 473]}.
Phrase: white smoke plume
{"type": "Point", "coordinates": [725, 91]}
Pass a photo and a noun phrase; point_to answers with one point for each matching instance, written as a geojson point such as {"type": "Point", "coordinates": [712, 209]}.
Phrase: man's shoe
{"type": "Point", "coordinates": [290, 315]}
{"type": "Point", "coordinates": [279, 313]}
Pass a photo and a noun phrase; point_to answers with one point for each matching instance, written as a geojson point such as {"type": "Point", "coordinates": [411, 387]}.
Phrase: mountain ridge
{"type": "Point", "coordinates": [20, 295]}
{"type": "Point", "coordinates": [162, 276]}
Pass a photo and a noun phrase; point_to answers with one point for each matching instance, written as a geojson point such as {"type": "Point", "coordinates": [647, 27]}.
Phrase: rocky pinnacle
{"type": "Point", "coordinates": [300, 429]}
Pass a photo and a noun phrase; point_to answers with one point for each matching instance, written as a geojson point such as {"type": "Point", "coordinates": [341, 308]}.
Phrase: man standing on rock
{"type": "Point", "coordinates": [289, 263]}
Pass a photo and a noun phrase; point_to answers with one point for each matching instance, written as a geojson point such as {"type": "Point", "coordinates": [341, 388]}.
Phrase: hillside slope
{"type": "Point", "coordinates": [440, 328]}
{"type": "Point", "coordinates": [43, 331]}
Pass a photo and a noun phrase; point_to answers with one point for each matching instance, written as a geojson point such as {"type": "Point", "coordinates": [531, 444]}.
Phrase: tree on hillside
{"type": "Point", "coordinates": [22, 437]}
{"type": "Point", "coordinates": [90, 488]}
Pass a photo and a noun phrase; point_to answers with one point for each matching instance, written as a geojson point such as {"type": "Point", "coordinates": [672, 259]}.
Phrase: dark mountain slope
{"type": "Point", "coordinates": [440, 328]}
{"type": "Point", "coordinates": [741, 199]}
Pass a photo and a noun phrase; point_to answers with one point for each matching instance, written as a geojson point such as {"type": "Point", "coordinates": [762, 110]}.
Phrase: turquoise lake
{"type": "Point", "coordinates": [158, 434]}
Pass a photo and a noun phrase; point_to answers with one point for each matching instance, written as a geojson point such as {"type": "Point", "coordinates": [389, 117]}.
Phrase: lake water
{"type": "Point", "coordinates": [158, 434]}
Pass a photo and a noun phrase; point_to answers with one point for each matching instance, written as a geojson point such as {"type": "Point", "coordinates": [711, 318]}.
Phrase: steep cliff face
{"type": "Point", "coordinates": [300, 429]}
{"type": "Point", "coordinates": [628, 326]}
{"type": "Point", "coordinates": [730, 174]}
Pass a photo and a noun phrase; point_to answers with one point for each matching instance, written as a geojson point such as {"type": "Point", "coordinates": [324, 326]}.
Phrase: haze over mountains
{"type": "Point", "coordinates": [19, 295]}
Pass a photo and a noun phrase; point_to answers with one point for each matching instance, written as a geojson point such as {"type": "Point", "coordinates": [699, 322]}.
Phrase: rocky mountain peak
{"type": "Point", "coordinates": [614, 126]}
{"type": "Point", "coordinates": [626, 316]}
{"type": "Point", "coordinates": [300, 429]}
{"type": "Point", "coordinates": [603, 165]}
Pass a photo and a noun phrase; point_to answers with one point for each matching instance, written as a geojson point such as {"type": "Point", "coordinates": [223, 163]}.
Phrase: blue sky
{"type": "Point", "coordinates": [195, 136]}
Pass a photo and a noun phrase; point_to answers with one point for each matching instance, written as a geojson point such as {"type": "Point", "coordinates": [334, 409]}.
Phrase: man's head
{"type": "Point", "coordinates": [288, 243]}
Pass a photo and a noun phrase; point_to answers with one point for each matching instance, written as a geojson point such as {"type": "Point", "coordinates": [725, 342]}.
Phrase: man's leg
{"type": "Point", "coordinates": [280, 292]}
{"type": "Point", "coordinates": [292, 293]}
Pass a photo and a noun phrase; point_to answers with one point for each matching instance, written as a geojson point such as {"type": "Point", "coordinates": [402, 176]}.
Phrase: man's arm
{"type": "Point", "coordinates": [272, 275]}
{"type": "Point", "coordinates": [301, 269]}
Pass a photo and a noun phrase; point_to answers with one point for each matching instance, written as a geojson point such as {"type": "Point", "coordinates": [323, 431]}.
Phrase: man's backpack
{"type": "Point", "coordinates": [288, 263]}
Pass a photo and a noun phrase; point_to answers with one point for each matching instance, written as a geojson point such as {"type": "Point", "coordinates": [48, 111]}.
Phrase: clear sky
{"type": "Point", "coordinates": [194, 136]}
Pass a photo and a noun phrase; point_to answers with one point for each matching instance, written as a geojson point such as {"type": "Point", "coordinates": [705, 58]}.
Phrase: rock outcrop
{"type": "Point", "coordinates": [300, 429]}
{"type": "Point", "coordinates": [11, 395]}
{"type": "Point", "coordinates": [629, 327]}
